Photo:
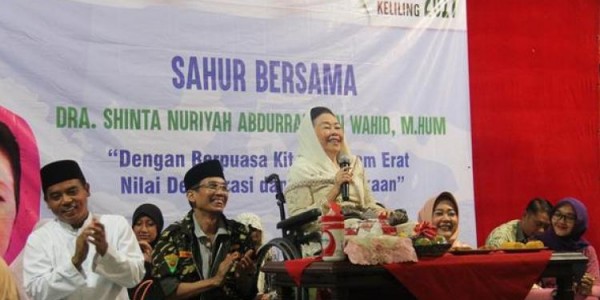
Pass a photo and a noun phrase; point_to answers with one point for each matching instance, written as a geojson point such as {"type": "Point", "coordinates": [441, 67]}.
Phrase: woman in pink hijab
{"type": "Point", "coordinates": [442, 212]}
{"type": "Point", "coordinates": [19, 183]}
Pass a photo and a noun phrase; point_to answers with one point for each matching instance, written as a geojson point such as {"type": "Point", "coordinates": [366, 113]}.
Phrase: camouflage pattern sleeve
{"type": "Point", "coordinates": [165, 261]}
{"type": "Point", "coordinates": [241, 287]}
{"type": "Point", "coordinates": [241, 240]}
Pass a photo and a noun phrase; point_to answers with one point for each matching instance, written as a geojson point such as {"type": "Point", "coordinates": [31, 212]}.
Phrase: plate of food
{"type": "Point", "coordinates": [521, 250]}
{"type": "Point", "coordinates": [469, 251]}
{"type": "Point", "coordinates": [518, 247]}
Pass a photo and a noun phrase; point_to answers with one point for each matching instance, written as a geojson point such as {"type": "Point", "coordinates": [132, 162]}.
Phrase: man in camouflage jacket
{"type": "Point", "coordinates": [205, 255]}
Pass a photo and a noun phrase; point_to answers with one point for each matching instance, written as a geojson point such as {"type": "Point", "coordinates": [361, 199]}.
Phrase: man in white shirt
{"type": "Point", "coordinates": [79, 255]}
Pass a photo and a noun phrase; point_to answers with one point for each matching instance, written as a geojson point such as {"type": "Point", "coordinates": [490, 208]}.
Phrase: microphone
{"type": "Point", "coordinates": [344, 162]}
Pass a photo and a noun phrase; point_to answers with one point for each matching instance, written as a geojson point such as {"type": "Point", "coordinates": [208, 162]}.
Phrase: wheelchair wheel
{"type": "Point", "coordinates": [278, 249]}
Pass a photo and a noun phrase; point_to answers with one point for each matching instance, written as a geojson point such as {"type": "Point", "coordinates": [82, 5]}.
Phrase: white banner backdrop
{"type": "Point", "coordinates": [139, 91]}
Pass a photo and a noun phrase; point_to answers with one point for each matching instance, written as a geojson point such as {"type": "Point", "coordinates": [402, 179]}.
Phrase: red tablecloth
{"type": "Point", "coordinates": [496, 275]}
{"type": "Point", "coordinates": [295, 267]}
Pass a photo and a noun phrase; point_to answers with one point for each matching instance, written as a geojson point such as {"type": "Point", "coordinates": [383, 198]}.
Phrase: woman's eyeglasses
{"type": "Point", "coordinates": [567, 218]}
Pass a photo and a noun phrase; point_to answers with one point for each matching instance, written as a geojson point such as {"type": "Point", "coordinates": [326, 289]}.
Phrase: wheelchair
{"type": "Point", "coordinates": [289, 245]}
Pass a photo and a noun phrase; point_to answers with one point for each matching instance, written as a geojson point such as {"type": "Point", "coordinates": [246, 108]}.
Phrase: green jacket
{"type": "Point", "coordinates": [177, 258]}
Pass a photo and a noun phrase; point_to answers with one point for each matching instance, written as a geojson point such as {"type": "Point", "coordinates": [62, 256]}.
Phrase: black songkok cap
{"type": "Point", "coordinates": [59, 171]}
{"type": "Point", "coordinates": [208, 168]}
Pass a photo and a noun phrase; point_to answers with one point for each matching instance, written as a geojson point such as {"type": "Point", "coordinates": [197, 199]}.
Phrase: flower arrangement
{"type": "Point", "coordinates": [427, 242]}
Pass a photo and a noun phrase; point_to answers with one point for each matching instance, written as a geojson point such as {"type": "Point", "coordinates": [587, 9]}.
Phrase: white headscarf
{"type": "Point", "coordinates": [312, 165]}
{"type": "Point", "coordinates": [310, 147]}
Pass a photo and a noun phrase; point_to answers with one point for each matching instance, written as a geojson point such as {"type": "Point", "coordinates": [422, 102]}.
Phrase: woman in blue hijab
{"type": "Point", "coordinates": [569, 221]}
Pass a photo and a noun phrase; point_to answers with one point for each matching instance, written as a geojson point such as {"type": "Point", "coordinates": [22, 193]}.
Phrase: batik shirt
{"type": "Point", "coordinates": [508, 232]}
{"type": "Point", "coordinates": [177, 259]}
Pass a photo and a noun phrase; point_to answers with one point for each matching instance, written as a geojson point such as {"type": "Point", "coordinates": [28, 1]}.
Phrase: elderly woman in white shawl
{"type": "Point", "coordinates": [315, 178]}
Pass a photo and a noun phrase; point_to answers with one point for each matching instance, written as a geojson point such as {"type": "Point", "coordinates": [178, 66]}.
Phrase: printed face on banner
{"type": "Point", "coordinates": [329, 133]}
{"type": "Point", "coordinates": [210, 195]}
{"type": "Point", "coordinates": [7, 201]}
{"type": "Point", "coordinates": [68, 201]}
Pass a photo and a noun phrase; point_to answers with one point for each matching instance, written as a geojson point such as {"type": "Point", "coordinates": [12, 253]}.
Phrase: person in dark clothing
{"type": "Point", "coordinates": [147, 223]}
{"type": "Point", "coordinates": [205, 255]}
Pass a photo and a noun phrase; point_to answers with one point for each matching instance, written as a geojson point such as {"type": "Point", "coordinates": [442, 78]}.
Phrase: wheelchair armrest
{"type": "Point", "coordinates": [314, 236]}
{"type": "Point", "coordinates": [295, 222]}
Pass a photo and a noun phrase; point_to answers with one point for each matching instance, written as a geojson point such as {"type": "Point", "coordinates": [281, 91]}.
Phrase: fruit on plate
{"type": "Point", "coordinates": [512, 245]}
{"type": "Point", "coordinates": [422, 241]}
{"type": "Point", "coordinates": [439, 239]}
{"type": "Point", "coordinates": [534, 245]}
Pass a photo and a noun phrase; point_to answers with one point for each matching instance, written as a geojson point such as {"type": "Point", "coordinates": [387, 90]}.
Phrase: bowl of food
{"type": "Point", "coordinates": [433, 250]}
{"type": "Point", "coordinates": [435, 247]}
